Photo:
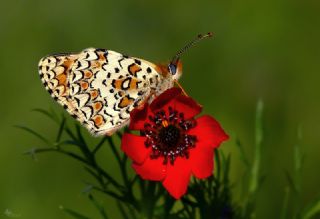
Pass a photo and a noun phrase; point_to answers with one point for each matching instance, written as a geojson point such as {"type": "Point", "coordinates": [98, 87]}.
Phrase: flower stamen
{"type": "Point", "coordinates": [167, 135]}
{"type": "Point", "coordinates": [165, 123]}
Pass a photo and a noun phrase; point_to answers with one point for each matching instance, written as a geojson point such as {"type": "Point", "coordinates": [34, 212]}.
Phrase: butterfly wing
{"type": "Point", "coordinates": [54, 72]}
{"type": "Point", "coordinates": [99, 87]}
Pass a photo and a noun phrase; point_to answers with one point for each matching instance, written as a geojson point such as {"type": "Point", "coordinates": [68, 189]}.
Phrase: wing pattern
{"type": "Point", "coordinates": [99, 87]}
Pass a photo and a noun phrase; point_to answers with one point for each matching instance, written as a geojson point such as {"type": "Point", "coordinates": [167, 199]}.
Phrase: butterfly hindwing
{"type": "Point", "coordinates": [54, 72]}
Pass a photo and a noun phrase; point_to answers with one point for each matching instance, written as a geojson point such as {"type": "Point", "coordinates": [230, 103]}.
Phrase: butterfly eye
{"type": "Point", "coordinates": [172, 68]}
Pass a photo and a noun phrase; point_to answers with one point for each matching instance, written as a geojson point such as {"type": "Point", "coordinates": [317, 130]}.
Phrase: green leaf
{"type": "Point", "coordinates": [50, 115]}
{"type": "Point", "coordinates": [290, 181]}
{"type": "Point", "coordinates": [99, 145]}
{"type": "Point", "coordinates": [226, 170]}
{"type": "Point", "coordinates": [217, 159]}
{"type": "Point", "coordinates": [284, 210]}
{"type": "Point", "coordinates": [44, 112]}
{"type": "Point", "coordinates": [243, 156]}
{"type": "Point", "coordinates": [122, 211]}
{"type": "Point", "coordinates": [33, 133]}
{"type": "Point", "coordinates": [254, 180]}
{"type": "Point", "coordinates": [297, 165]}
{"type": "Point", "coordinates": [98, 206]}
{"type": "Point", "coordinates": [61, 129]}
{"type": "Point", "coordinates": [311, 210]}
{"type": "Point", "coordinates": [73, 213]}
{"type": "Point", "coordinates": [297, 161]}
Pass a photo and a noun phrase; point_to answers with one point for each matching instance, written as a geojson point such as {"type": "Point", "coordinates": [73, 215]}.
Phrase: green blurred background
{"type": "Point", "coordinates": [265, 49]}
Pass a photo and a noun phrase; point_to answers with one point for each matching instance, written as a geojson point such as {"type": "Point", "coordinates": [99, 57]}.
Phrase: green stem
{"type": "Point", "coordinates": [284, 209]}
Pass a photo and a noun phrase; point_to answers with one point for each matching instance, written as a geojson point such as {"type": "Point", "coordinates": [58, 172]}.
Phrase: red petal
{"type": "Point", "coordinates": [133, 146]}
{"type": "Point", "coordinates": [174, 98]}
{"type": "Point", "coordinates": [187, 106]}
{"type": "Point", "coordinates": [201, 160]}
{"type": "Point", "coordinates": [165, 98]}
{"type": "Point", "coordinates": [171, 97]}
{"type": "Point", "coordinates": [151, 169]}
{"type": "Point", "coordinates": [178, 177]}
{"type": "Point", "coordinates": [138, 117]}
{"type": "Point", "coordinates": [208, 131]}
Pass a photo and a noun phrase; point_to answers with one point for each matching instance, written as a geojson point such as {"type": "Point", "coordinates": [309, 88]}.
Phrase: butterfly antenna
{"type": "Point", "coordinates": [190, 44]}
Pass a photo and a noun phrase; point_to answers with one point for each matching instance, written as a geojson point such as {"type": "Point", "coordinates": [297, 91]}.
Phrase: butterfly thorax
{"type": "Point", "coordinates": [167, 79]}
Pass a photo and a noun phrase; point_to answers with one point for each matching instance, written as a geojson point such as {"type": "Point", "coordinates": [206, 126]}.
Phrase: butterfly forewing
{"type": "Point", "coordinates": [99, 87]}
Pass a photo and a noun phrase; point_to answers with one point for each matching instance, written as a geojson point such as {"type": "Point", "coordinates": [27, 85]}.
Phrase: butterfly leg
{"type": "Point", "coordinates": [147, 99]}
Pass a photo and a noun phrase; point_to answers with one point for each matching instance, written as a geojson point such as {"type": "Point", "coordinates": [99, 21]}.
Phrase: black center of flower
{"type": "Point", "coordinates": [167, 134]}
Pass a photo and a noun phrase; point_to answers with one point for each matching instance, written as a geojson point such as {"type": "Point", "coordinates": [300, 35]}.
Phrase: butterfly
{"type": "Point", "coordinates": [100, 87]}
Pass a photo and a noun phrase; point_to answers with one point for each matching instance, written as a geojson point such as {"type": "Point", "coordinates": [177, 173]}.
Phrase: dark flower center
{"type": "Point", "coordinates": [167, 134]}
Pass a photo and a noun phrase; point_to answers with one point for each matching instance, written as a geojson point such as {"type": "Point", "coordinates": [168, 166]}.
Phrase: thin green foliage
{"type": "Point", "coordinates": [31, 131]}
{"type": "Point", "coordinates": [152, 200]}
{"type": "Point", "coordinates": [312, 210]}
{"type": "Point", "coordinates": [284, 210]}
{"type": "Point", "coordinates": [210, 198]}
{"type": "Point", "coordinates": [254, 178]}
{"type": "Point", "coordinates": [243, 156]}
{"type": "Point", "coordinates": [98, 206]}
{"type": "Point", "coordinates": [253, 168]}
{"type": "Point", "coordinates": [73, 213]}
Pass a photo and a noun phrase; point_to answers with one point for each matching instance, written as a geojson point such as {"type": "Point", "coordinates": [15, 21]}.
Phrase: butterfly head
{"type": "Point", "coordinates": [175, 69]}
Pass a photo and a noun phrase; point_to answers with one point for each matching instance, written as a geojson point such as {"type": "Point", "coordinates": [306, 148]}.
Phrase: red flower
{"type": "Point", "coordinates": [173, 145]}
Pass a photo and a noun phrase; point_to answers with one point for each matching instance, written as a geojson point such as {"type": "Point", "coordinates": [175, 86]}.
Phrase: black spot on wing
{"type": "Point", "coordinates": [140, 93]}
{"type": "Point", "coordinates": [137, 61]}
{"type": "Point", "coordinates": [78, 65]}
{"type": "Point", "coordinates": [77, 100]}
{"type": "Point", "coordinates": [104, 82]}
{"type": "Point", "coordinates": [88, 114]}
{"type": "Point", "coordinates": [115, 108]}
{"type": "Point", "coordinates": [113, 83]}
{"type": "Point", "coordinates": [101, 50]}
{"type": "Point", "coordinates": [60, 54]}
{"type": "Point", "coordinates": [104, 66]}
{"type": "Point", "coordinates": [120, 60]}
{"type": "Point", "coordinates": [106, 113]}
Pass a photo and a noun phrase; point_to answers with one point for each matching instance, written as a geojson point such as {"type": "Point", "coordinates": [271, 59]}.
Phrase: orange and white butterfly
{"type": "Point", "coordinates": [100, 87]}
